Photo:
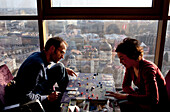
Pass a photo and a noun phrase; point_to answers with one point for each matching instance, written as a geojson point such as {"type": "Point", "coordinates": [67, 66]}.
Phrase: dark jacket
{"type": "Point", "coordinates": [35, 81]}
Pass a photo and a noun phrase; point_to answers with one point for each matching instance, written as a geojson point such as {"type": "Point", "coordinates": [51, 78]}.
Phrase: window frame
{"type": "Point", "coordinates": [158, 11]}
{"type": "Point", "coordinates": [102, 12]}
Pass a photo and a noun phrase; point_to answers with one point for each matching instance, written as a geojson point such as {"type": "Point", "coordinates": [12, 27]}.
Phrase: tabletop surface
{"type": "Point", "coordinates": [89, 86]}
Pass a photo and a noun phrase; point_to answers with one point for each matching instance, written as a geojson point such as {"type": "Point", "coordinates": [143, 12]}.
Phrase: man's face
{"type": "Point", "coordinates": [59, 53]}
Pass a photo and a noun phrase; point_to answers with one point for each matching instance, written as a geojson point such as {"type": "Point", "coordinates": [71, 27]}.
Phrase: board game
{"type": "Point", "coordinates": [88, 106]}
{"type": "Point", "coordinates": [89, 86]}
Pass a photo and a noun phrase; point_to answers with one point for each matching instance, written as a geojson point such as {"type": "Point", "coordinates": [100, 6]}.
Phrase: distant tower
{"type": "Point", "coordinates": [5, 26]}
{"type": "Point", "coordinates": [105, 52]}
{"type": "Point", "coordinates": [72, 60]}
{"type": "Point", "coordinates": [92, 66]}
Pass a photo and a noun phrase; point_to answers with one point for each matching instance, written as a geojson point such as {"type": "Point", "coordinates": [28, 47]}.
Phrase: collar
{"type": "Point", "coordinates": [44, 58]}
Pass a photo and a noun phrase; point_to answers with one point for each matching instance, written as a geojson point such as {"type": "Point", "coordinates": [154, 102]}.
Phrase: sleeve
{"type": "Point", "coordinates": [30, 80]}
{"type": "Point", "coordinates": [127, 81]}
{"type": "Point", "coordinates": [151, 94]}
{"type": "Point", "coordinates": [59, 75]}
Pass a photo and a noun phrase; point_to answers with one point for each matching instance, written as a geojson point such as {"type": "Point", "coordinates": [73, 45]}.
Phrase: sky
{"type": "Point", "coordinates": [76, 3]}
{"type": "Point", "coordinates": [18, 3]}
{"type": "Point", "coordinates": [103, 3]}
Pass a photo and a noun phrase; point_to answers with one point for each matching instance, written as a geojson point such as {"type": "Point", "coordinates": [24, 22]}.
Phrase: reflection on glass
{"type": "Point", "coordinates": [101, 3]}
{"type": "Point", "coordinates": [169, 12]}
{"type": "Point", "coordinates": [92, 43]}
{"type": "Point", "coordinates": [166, 56]}
{"type": "Point", "coordinates": [18, 7]}
{"type": "Point", "coordinates": [18, 39]}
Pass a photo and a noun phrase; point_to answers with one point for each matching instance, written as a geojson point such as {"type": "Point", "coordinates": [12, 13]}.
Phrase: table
{"type": "Point", "coordinates": [88, 88]}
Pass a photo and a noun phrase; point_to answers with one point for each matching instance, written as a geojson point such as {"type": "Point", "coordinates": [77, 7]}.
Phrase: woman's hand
{"type": "Point", "coordinates": [71, 72]}
{"type": "Point", "coordinates": [116, 95]}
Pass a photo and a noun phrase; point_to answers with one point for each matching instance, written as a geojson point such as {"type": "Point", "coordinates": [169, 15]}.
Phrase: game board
{"type": "Point", "coordinates": [89, 86]}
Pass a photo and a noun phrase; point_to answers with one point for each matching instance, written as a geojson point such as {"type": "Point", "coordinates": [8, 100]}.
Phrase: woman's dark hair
{"type": "Point", "coordinates": [55, 41]}
{"type": "Point", "coordinates": [131, 48]}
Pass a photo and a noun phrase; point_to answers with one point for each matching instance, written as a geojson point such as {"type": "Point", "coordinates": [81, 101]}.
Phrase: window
{"type": "Point", "coordinates": [94, 8]}
{"type": "Point", "coordinates": [92, 43]}
{"type": "Point", "coordinates": [169, 12]}
{"type": "Point", "coordinates": [18, 39]}
{"type": "Point", "coordinates": [18, 7]}
{"type": "Point", "coordinates": [89, 22]}
{"type": "Point", "coordinates": [101, 3]}
{"type": "Point", "coordinates": [166, 55]}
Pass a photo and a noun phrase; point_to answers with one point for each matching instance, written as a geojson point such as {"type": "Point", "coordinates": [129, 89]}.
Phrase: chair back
{"type": "Point", "coordinates": [5, 78]}
{"type": "Point", "coordinates": [167, 79]}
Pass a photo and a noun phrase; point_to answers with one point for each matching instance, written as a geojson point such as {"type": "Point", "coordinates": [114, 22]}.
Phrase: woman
{"type": "Point", "coordinates": [151, 94]}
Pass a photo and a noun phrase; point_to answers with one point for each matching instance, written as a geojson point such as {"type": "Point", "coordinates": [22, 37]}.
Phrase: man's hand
{"type": "Point", "coordinates": [71, 72]}
{"type": "Point", "coordinates": [53, 96]}
{"type": "Point", "coordinates": [116, 95]}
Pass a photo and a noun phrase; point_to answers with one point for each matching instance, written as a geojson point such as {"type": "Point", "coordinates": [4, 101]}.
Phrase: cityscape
{"type": "Point", "coordinates": [92, 43]}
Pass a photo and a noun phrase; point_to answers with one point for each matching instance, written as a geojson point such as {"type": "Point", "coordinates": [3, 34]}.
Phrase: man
{"type": "Point", "coordinates": [35, 80]}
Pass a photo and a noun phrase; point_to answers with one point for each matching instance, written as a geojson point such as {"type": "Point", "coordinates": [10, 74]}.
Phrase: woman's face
{"type": "Point", "coordinates": [126, 61]}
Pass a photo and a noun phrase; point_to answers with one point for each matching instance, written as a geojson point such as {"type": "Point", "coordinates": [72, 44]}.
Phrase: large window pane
{"type": "Point", "coordinates": [166, 56]}
{"type": "Point", "coordinates": [18, 7]}
{"type": "Point", "coordinates": [92, 43]}
{"type": "Point", "coordinates": [18, 39]}
{"type": "Point", "coordinates": [101, 3]}
{"type": "Point", "coordinates": [169, 12]}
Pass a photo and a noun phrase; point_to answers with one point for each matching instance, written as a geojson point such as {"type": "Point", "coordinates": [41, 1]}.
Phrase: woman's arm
{"type": "Point", "coordinates": [127, 81]}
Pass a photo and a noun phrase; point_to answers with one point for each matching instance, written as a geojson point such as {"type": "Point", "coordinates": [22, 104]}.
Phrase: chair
{"type": "Point", "coordinates": [5, 78]}
{"type": "Point", "coordinates": [167, 79]}
{"type": "Point", "coordinates": [31, 106]}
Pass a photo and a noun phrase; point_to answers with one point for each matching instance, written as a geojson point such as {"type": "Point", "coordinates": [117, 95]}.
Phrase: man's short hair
{"type": "Point", "coordinates": [55, 41]}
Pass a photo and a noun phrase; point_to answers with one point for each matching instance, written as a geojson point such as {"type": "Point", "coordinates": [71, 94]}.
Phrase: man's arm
{"type": "Point", "coordinates": [71, 72]}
